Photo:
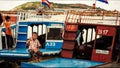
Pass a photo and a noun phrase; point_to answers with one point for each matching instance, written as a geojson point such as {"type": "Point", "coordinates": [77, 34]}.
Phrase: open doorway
{"type": "Point", "coordinates": [41, 30]}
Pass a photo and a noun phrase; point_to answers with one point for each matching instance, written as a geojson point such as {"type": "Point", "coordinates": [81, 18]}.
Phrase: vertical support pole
{"type": "Point", "coordinates": [86, 35]}
{"type": "Point", "coordinates": [117, 17]}
{"type": "Point", "coordinates": [42, 29]}
{"type": "Point", "coordinates": [0, 39]}
{"type": "Point", "coordinates": [92, 34]}
{"type": "Point", "coordinates": [38, 29]}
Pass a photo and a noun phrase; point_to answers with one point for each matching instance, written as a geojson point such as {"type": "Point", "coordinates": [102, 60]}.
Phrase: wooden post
{"type": "Point", "coordinates": [117, 17]}
{"type": "Point", "coordinates": [0, 39]}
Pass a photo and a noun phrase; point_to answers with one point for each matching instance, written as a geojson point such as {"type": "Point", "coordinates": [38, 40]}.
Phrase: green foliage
{"type": "Point", "coordinates": [35, 5]}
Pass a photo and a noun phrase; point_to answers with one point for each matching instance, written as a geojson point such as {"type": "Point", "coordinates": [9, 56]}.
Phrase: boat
{"type": "Point", "coordinates": [62, 37]}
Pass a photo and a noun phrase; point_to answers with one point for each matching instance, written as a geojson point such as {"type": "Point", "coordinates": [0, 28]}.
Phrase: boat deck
{"type": "Point", "coordinates": [61, 62]}
{"type": "Point", "coordinates": [24, 52]}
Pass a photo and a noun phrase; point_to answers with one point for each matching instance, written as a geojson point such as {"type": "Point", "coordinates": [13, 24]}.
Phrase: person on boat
{"type": "Point", "coordinates": [78, 37]}
{"type": "Point", "coordinates": [1, 19]}
{"type": "Point", "coordinates": [8, 32]}
{"type": "Point", "coordinates": [81, 38]}
{"type": "Point", "coordinates": [34, 46]}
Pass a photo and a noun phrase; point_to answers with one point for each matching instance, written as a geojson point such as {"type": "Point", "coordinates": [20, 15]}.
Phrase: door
{"type": "Point", "coordinates": [103, 44]}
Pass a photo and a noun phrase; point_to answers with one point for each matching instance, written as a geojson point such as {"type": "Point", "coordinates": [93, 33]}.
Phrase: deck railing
{"type": "Point", "coordinates": [72, 16]}
{"type": "Point", "coordinates": [32, 16]}
{"type": "Point", "coordinates": [93, 17]}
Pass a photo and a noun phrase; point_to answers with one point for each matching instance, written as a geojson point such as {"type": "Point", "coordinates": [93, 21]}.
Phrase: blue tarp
{"type": "Point", "coordinates": [61, 62]}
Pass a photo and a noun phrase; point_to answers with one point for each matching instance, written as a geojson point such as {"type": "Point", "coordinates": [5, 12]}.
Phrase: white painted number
{"type": "Point", "coordinates": [50, 44]}
{"type": "Point", "coordinates": [105, 32]}
{"type": "Point", "coordinates": [99, 31]}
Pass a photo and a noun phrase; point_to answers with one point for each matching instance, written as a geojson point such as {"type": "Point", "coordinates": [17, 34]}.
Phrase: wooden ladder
{"type": "Point", "coordinates": [70, 33]}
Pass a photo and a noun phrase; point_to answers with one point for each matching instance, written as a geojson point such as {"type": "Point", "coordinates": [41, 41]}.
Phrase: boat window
{"type": "Point", "coordinates": [103, 42]}
{"type": "Point", "coordinates": [54, 34]}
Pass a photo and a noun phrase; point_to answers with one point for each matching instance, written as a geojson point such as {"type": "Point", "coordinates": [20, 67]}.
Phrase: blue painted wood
{"type": "Point", "coordinates": [23, 52]}
{"type": "Point", "coordinates": [21, 39]}
{"type": "Point", "coordinates": [53, 45]}
{"type": "Point", "coordinates": [23, 27]}
{"type": "Point", "coordinates": [21, 45]}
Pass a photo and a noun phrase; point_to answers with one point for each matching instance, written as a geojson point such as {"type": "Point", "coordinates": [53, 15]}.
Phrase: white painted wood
{"type": "Point", "coordinates": [0, 39]}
